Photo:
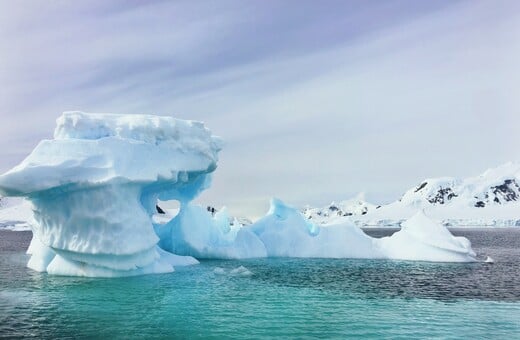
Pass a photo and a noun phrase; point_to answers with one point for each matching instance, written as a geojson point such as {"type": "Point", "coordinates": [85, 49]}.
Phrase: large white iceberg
{"type": "Point", "coordinates": [95, 185]}
{"type": "Point", "coordinates": [94, 189]}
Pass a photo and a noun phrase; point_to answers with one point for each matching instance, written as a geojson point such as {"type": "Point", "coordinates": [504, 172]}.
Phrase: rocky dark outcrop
{"type": "Point", "coordinates": [421, 186]}
{"type": "Point", "coordinates": [443, 195]}
{"type": "Point", "coordinates": [506, 192]}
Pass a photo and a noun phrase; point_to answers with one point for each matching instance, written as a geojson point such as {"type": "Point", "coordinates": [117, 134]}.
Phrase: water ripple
{"type": "Point", "coordinates": [281, 298]}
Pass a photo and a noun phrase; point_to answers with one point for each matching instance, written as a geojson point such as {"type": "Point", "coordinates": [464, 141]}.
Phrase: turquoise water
{"type": "Point", "coordinates": [288, 298]}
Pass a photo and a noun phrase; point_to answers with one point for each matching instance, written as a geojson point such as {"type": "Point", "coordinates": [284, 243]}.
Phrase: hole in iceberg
{"type": "Point", "coordinates": [165, 211]}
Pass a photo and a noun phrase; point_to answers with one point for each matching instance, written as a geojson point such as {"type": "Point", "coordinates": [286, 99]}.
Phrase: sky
{"type": "Point", "coordinates": [316, 100]}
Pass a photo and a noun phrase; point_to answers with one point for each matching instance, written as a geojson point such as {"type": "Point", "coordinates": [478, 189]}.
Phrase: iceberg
{"type": "Point", "coordinates": [194, 232]}
{"type": "Point", "coordinates": [285, 232]}
{"type": "Point", "coordinates": [422, 239]}
{"type": "Point", "coordinates": [94, 187]}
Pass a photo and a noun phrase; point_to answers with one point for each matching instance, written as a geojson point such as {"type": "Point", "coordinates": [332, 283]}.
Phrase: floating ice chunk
{"type": "Point", "coordinates": [241, 271]}
{"type": "Point", "coordinates": [238, 271]}
{"type": "Point", "coordinates": [285, 232]}
{"type": "Point", "coordinates": [422, 239]}
{"type": "Point", "coordinates": [219, 271]}
{"type": "Point", "coordinates": [489, 260]}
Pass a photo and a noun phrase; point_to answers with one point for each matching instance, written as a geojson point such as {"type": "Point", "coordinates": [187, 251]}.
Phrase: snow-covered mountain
{"type": "Point", "coordinates": [15, 213]}
{"type": "Point", "coordinates": [336, 211]}
{"type": "Point", "coordinates": [495, 187]}
{"type": "Point", "coordinates": [490, 199]}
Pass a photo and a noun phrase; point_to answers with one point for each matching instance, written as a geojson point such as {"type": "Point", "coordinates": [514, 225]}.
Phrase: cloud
{"type": "Point", "coordinates": [315, 101]}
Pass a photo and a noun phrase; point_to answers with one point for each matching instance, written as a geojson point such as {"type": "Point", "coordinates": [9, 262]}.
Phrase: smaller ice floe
{"type": "Point", "coordinates": [489, 260]}
{"type": "Point", "coordinates": [238, 271]}
{"type": "Point", "coordinates": [219, 271]}
{"type": "Point", "coordinates": [422, 239]}
{"type": "Point", "coordinates": [241, 271]}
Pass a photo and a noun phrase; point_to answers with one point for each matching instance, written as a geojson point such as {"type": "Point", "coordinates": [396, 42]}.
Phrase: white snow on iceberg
{"type": "Point", "coordinates": [94, 189]}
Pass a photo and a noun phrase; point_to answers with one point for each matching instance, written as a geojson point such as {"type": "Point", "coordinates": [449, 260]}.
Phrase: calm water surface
{"type": "Point", "coordinates": [283, 298]}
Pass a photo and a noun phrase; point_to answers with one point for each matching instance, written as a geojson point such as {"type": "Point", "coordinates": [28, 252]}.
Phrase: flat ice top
{"type": "Point", "coordinates": [99, 148]}
{"type": "Point", "coordinates": [145, 128]}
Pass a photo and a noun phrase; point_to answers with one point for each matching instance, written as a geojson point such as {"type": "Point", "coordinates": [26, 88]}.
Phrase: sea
{"type": "Point", "coordinates": [273, 298]}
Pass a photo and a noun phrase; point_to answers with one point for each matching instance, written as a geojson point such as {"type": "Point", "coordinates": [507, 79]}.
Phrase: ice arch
{"type": "Point", "coordinates": [95, 185]}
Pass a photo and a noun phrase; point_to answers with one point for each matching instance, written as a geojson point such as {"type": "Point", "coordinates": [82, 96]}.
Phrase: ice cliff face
{"type": "Point", "coordinates": [95, 185]}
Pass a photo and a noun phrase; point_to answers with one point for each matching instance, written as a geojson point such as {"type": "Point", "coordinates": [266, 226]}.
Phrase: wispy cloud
{"type": "Point", "coordinates": [316, 101]}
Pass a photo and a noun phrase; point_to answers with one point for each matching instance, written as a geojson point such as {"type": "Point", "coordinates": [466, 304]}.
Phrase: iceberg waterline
{"type": "Point", "coordinates": [94, 189]}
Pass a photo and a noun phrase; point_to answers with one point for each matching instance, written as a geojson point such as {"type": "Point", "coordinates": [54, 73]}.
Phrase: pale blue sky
{"type": "Point", "coordinates": [316, 100]}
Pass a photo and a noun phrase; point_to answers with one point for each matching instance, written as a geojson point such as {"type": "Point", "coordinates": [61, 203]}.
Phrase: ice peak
{"type": "Point", "coordinates": [278, 208]}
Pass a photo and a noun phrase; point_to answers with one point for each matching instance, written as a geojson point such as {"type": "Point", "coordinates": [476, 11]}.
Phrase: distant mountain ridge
{"type": "Point", "coordinates": [353, 207]}
{"type": "Point", "coordinates": [15, 213]}
{"type": "Point", "coordinates": [495, 186]}
{"type": "Point", "coordinates": [490, 199]}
